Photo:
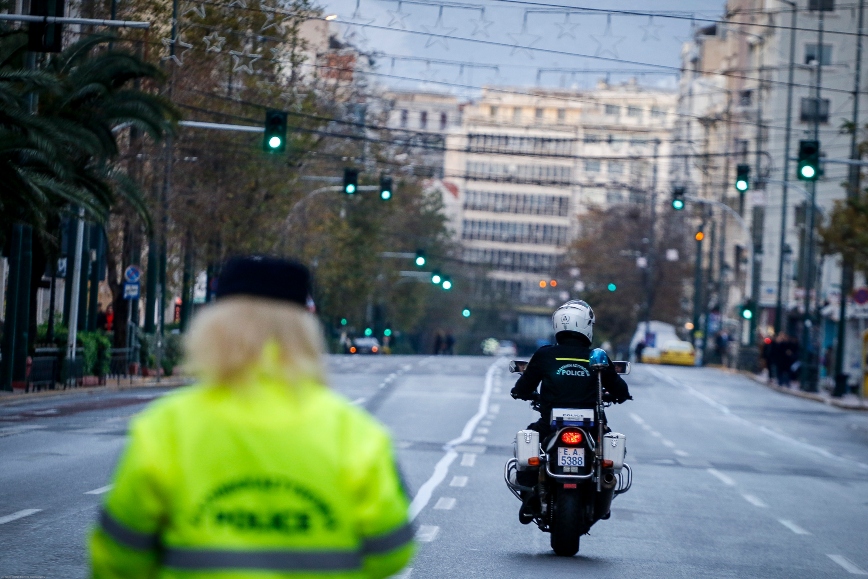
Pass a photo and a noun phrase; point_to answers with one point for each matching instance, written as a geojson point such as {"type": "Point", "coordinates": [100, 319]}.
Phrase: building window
{"type": "Point", "coordinates": [745, 97]}
{"type": "Point", "coordinates": [423, 120]}
{"type": "Point", "coordinates": [657, 112]}
{"type": "Point", "coordinates": [539, 114]}
{"type": "Point", "coordinates": [591, 138]}
{"type": "Point", "coordinates": [443, 121]}
{"type": "Point", "coordinates": [814, 52]}
{"type": "Point", "coordinates": [824, 5]}
{"type": "Point", "coordinates": [592, 166]}
{"type": "Point", "coordinates": [405, 117]}
{"type": "Point", "coordinates": [634, 112]}
{"type": "Point", "coordinates": [616, 168]}
{"type": "Point", "coordinates": [810, 112]}
{"type": "Point", "coordinates": [613, 110]}
{"type": "Point", "coordinates": [492, 112]}
{"type": "Point", "coordinates": [562, 114]}
{"type": "Point", "coordinates": [516, 115]}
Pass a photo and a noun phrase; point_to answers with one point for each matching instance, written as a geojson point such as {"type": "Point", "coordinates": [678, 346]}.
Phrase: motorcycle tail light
{"type": "Point", "coordinates": [571, 437]}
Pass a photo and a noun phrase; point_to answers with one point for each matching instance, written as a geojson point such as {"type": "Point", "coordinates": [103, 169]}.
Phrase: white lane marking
{"type": "Point", "coordinates": [774, 434]}
{"type": "Point", "coordinates": [469, 459]}
{"type": "Point", "coordinates": [793, 527]}
{"type": "Point", "coordinates": [18, 515]}
{"type": "Point", "coordinates": [427, 533]}
{"type": "Point", "coordinates": [485, 423]}
{"type": "Point", "coordinates": [681, 453]}
{"type": "Point", "coordinates": [405, 574]}
{"type": "Point", "coordinates": [655, 434]}
{"type": "Point", "coordinates": [458, 481]}
{"type": "Point", "coordinates": [445, 504]}
{"type": "Point", "coordinates": [723, 478]}
{"type": "Point", "coordinates": [668, 443]}
{"type": "Point", "coordinates": [847, 564]}
{"type": "Point", "coordinates": [420, 501]}
{"type": "Point", "coordinates": [481, 430]}
{"type": "Point", "coordinates": [636, 418]}
{"type": "Point", "coordinates": [755, 501]}
{"type": "Point", "coordinates": [358, 401]}
{"type": "Point", "coordinates": [478, 440]}
{"type": "Point", "coordinates": [646, 427]}
{"type": "Point", "coordinates": [100, 490]}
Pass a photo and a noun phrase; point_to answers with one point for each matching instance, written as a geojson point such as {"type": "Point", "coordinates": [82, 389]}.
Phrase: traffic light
{"type": "Point", "coordinates": [274, 140]}
{"type": "Point", "coordinates": [466, 312]}
{"type": "Point", "coordinates": [678, 198]}
{"type": "Point", "coordinates": [369, 332]}
{"type": "Point", "coordinates": [747, 310]}
{"type": "Point", "coordinates": [742, 178]}
{"type": "Point", "coordinates": [809, 161]}
{"type": "Point", "coordinates": [385, 187]}
{"type": "Point", "coordinates": [611, 287]}
{"type": "Point", "coordinates": [387, 332]}
{"type": "Point", "coordinates": [343, 321]}
{"type": "Point", "coordinates": [44, 36]}
{"type": "Point", "coordinates": [351, 181]}
{"type": "Point", "coordinates": [420, 258]}
{"type": "Point", "coordinates": [699, 236]}
{"type": "Point", "coordinates": [447, 283]}
{"type": "Point", "coordinates": [436, 278]}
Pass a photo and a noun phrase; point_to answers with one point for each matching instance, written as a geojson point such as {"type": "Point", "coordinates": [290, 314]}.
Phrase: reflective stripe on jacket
{"type": "Point", "coordinates": [266, 481]}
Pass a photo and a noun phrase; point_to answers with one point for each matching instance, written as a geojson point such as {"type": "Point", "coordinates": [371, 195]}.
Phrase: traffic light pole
{"type": "Point", "coordinates": [314, 193]}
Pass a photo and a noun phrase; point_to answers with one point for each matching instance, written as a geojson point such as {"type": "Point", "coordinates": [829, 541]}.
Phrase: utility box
{"type": "Point", "coordinates": [526, 447]}
{"type": "Point", "coordinates": [615, 449]}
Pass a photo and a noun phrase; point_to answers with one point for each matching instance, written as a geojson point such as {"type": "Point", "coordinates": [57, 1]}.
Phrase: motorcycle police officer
{"type": "Point", "coordinates": [259, 470]}
{"type": "Point", "coordinates": [563, 375]}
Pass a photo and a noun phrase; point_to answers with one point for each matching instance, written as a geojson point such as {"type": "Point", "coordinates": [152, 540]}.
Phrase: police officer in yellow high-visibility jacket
{"type": "Point", "coordinates": [259, 471]}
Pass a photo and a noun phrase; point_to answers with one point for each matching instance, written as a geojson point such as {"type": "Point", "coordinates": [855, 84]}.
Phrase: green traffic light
{"type": "Point", "coordinates": [612, 287]}
{"type": "Point", "coordinates": [447, 284]}
{"type": "Point", "coordinates": [741, 185]}
{"type": "Point", "coordinates": [747, 314]}
{"type": "Point", "coordinates": [677, 204]}
{"type": "Point", "coordinates": [343, 321]}
{"type": "Point", "coordinates": [385, 195]}
{"type": "Point", "coordinates": [387, 332]}
{"type": "Point", "coordinates": [420, 261]}
{"type": "Point", "coordinates": [808, 171]}
{"type": "Point", "coordinates": [350, 189]}
{"type": "Point", "coordinates": [436, 278]}
{"type": "Point", "coordinates": [465, 312]}
{"type": "Point", "coordinates": [274, 142]}
{"type": "Point", "coordinates": [369, 332]}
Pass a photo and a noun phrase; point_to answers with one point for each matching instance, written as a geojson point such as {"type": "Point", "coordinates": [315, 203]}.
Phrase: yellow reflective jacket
{"type": "Point", "coordinates": [267, 481]}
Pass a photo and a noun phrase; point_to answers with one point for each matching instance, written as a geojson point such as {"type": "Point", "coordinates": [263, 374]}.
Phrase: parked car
{"type": "Point", "coordinates": [365, 346]}
{"type": "Point", "coordinates": [650, 356]}
{"type": "Point", "coordinates": [677, 352]}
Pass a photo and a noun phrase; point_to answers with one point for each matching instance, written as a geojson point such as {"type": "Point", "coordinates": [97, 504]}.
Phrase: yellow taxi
{"type": "Point", "coordinates": [650, 356]}
{"type": "Point", "coordinates": [677, 352]}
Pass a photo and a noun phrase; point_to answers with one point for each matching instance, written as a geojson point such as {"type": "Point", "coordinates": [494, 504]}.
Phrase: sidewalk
{"type": "Point", "coordinates": [10, 398]}
{"type": "Point", "coordinates": [847, 402]}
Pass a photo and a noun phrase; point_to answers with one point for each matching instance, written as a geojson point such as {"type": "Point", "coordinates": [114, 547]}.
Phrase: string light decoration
{"type": "Point", "coordinates": [481, 25]}
{"type": "Point", "coordinates": [214, 42]}
{"type": "Point", "coordinates": [438, 29]}
{"type": "Point", "coordinates": [177, 58]}
{"type": "Point", "coordinates": [398, 18]}
{"type": "Point", "coordinates": [523, 40]}
{"type": "Point", "coordinates": [567, 28]}
{"type": "Point", "coordinates": [608, 42]}
{"type": "Point", "coordinates": [355, 26]}
{"type": "Point", "coordinates": [243, 61]}
{"type": "Point", "coordinates": [652, 31]}
{"type": "Point", "coordinates": [196, 8]}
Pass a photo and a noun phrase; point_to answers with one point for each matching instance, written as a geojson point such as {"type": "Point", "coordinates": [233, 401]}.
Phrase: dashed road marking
{"type": "Point", "coordinates": [100, 490]}
{"type": "Point", "coordinates": [427, 533]}
{"type": "Point", "coordinates": [636, 418]}
{"type": "Point", "coordinates": [478, 440]}
{"type": "Point", "coordinates": [445, 504]}
{"type": "Point", "coordinates": [755, 501]}
{"type": "Point", "coordinates": [469, 459]}
{"type": "Point", "coordinates": [793, 527]}
{"type": "Point", "coordinates": [723, 478]}
{"type": "Point", "coordinates": [485, 423]}
{"type": "Point", "coordinates": [458, 481]}
{"type": "Point", "coordinates": [358, 401]}
{"type": "Point", "coordinates": [481, 431]}
{"type": "Point", "coordinates": [668, 443]}
{"type": "Point", "coordinates": [494, 408]}
{"type": "Point", "coordinates": [655, 434]}
{"type": "Point", "coordinates": [847, 564]}
{"type": "Point", "coordinates": [681, 453]}
{"type": "Point", "coordinates": [18, 515]}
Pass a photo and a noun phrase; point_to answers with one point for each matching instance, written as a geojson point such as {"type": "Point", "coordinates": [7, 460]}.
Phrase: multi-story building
{"type": "Point", "coordinates": [526, 162]}
{"type": "Point", "coordinates": [420, 121]}
{"type": "Point", "coordinates": [734, 105]}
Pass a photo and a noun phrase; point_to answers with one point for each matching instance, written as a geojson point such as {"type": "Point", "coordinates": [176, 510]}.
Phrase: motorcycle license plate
{"type": "Point", "coordinates": [571, 456]}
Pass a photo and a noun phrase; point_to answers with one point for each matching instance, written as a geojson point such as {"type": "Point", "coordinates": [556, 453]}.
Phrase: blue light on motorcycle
{"type": "Point", "coordinates": [599, 359]}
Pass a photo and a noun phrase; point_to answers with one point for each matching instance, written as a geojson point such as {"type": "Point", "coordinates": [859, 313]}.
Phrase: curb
{"type": "Point", "coordinates": [11, 399]}
{"type": "Point", "coordinates": [828, 400]}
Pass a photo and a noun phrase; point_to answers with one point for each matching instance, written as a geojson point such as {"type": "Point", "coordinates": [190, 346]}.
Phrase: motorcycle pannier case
{"type": "Point", "coordinates": [526, 446]}
{"type": "Point", "coordinates": [615, 448]}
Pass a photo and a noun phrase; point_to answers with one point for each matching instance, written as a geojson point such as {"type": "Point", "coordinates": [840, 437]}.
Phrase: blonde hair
{"type": "Point", "coordinates": [227, 339]}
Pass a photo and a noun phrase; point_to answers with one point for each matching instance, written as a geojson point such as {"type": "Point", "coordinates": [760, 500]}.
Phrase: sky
{"type": "Point", "coordinates": [459, 46]}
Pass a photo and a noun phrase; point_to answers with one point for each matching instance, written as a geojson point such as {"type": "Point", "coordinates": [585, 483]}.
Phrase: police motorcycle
{"type": "Point", "coordinates": [581, 468]}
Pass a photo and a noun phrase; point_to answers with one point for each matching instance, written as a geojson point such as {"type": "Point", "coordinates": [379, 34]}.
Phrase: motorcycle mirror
{"type": "Point", "coordinates": [517, 366]}
{"type": "Point", "coordinates": [621, 366]}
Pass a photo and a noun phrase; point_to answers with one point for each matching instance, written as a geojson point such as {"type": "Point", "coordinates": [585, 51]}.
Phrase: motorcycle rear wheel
{"type": "Point", "coordinates": [565, 525]}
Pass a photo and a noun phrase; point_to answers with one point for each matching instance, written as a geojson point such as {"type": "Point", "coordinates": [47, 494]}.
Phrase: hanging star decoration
{"type": "Point", "coordinates": [397, 17]}
{"type": "Point", "coordinates": [438, 32]}
{"type": "Point", "coordinates": [607, 43]}
{"type": "Point", "coordinates": [198, 9]}
{"type": "Point", "coordinates": [239, 3]}
{"type": "Point", "coordinates": [652, 31]}
{"type": "Point", "coordinates": [481, 25]}
{"type": "Point", "coordinates": [243, 61]}
{"type": "Point", "coordinates": [567, 28]}
{"type": "Point", "coordinates": [177, 42]}
{"type": "Point", "coordinates": [214, 42]}
{"type": "Point", "coordinates": [429, 73]}
{"type": "Point", "coordinates": [355, 30]}
{"type": "Point", "coordinates": [269, 12]}
{"type": "Point", "coordinates": [523, 40]}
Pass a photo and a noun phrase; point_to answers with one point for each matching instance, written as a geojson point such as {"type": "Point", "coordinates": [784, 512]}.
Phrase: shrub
{"type": "Point", "coordinates": [97, 353]}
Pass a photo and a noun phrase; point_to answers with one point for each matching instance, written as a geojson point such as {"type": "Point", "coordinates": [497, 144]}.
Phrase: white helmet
{"type": "Point", "coordinates": [574, 316]}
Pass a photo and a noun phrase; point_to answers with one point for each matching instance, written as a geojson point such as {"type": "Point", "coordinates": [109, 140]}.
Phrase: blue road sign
{"type": "Point", "coordinates": [133, 274]}
{"type": "Point", "coordinates": [132, 291]}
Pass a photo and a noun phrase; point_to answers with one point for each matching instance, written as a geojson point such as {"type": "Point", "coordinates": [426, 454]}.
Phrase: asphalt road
{"type": "Point", "coordinates": [730, 479]}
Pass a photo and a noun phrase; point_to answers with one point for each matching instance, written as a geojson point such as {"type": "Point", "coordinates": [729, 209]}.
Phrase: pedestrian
{"type": "Point", "coordinates": [449, 344]}
{"type": "Point", "coordinates": [259, 469]}
{"type": "Point", "coordinates": [439, 342]}
{"type": "Point", "coordinates": [640, 347]}
{"type": "Point", "coordinates": [109, 318]}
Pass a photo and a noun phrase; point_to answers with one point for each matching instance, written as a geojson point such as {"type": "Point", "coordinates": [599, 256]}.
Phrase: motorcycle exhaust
{"type": "Point", "coordinates": [603, 500]}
